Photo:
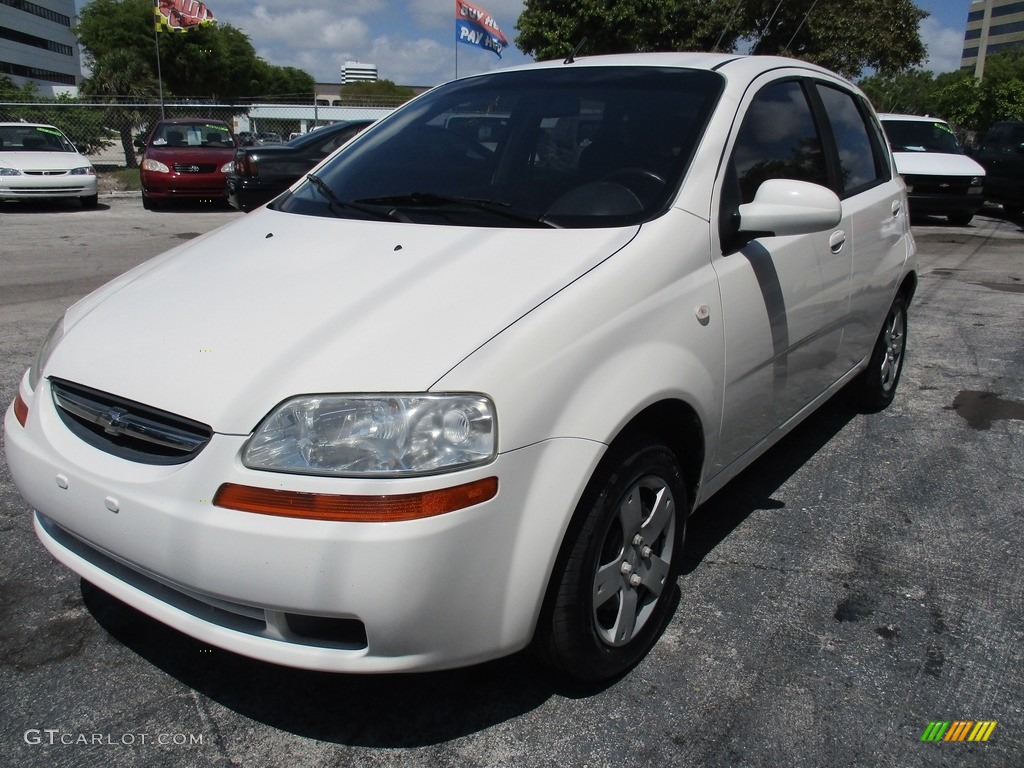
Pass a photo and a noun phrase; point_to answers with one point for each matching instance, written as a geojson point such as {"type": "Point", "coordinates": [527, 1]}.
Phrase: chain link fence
{"type": "Point", "coordinates": [107, 132]}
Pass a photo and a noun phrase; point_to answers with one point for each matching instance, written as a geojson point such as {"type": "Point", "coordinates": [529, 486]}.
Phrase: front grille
{"type": "Point", "coordinates": [128, 429]}
{"type": "Point", "coordinates": [194, 167]}
{"type": "Point", "coordinates": [47, 173]}
{"type": "Point", "coordinates": [939, 185]}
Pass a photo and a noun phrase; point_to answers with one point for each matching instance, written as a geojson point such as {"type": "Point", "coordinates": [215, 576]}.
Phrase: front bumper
{"type": "Point", "coordinates": [179, 186]}
{"type": "Point", "coordinates": [446, 591]}
{"type": "Point", "coordinates": [55, 185]}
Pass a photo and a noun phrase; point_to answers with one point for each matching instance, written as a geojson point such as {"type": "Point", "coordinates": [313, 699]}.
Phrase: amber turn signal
{"type": "Point", "coordinates": [355, 509]}
{"type": "Point", "coordinates": [20, 409]}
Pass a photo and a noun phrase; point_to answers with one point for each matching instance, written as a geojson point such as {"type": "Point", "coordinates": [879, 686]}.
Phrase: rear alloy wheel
{"type": "Point", "coordinates": [614, 582]}
{"type": "Point", "coordinates": [877, 384]}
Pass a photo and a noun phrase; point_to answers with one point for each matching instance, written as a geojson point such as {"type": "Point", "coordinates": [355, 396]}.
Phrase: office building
{"type": "Point", "coordinates": [992, 26]}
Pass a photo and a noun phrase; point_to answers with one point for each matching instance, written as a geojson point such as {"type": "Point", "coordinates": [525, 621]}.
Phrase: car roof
{"type": "Point", "coordinates": [179, 120]}
{"type": "Point", "coordinates": [19, 124]}
{"type": "Point", "coordinates": [728, 63]}
{"type": "Point", "coordinates": [913, 118]}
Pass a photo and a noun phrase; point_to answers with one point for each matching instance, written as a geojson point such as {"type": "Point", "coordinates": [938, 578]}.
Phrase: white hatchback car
{"type": "Point", "coordinates": [38, 161]}
{"type": "Point", "coordinates": [448, 398]}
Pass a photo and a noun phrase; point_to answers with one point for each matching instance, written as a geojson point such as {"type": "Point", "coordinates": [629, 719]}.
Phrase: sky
{"type": "Point", "coordinates": [413, 42]}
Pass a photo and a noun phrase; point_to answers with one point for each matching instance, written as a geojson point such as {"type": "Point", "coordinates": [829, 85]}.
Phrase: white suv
{"type": "Point", "coordinates": [448, 397]}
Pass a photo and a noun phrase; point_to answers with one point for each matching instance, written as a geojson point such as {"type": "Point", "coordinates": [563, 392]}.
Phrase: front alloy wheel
{"type": "Point", "coordinates": [612, 587]}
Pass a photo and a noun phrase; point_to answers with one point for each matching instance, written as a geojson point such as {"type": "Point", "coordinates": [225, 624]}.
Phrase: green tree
{"type": "Point", "coordinates": [378, 91]}
{"type": "Point", "coordinates": [215, 61]}
{"type": "Point", "coordinates": [976, 104]}
{"type": "Point", "coordinates": [907, 92]}
{"type": "Point", "coordinates": [845, 35]}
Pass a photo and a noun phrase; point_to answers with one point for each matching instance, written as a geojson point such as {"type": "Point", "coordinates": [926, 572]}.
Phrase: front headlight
{"type": "Point", "coordinates": [87, 170]}
{"type": "Point", "coordinates": [45, 350]}
{"type": "Point", "coordinates": [154, 166]}
{"type": "Point", "coordinates": [228, 167]}
{"type": "Point", "coordinates": [382, 435]}
{"type": "Point", "coordinates": [5, 171]}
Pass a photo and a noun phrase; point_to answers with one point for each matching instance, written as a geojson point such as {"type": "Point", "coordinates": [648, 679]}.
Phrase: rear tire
{"type": "Point", "coordinates": [615, 579]}
{"type": "Point", "coordinates": [876, 386]}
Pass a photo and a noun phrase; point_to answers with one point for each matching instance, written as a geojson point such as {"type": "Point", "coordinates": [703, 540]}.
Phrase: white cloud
{"type": "Point", "coordinates": [944, 45]}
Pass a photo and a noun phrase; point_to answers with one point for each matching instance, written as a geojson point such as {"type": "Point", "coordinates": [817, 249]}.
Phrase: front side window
{"type": "Point", "coordinates": [778, 140]}
{"type": "Point", "coordinates": [573, 147]}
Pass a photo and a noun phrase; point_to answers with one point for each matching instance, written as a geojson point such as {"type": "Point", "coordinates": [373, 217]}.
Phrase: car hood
{"type": "Point", "coordinates": [43, 161]}
{"type": "Point", "coordinates": [936, 164]}
{"type": "Point", "coordinates": [275, 305]}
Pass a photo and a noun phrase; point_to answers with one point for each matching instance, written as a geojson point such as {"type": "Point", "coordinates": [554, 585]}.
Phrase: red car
{"type": "Point", "coordinates": [186, 159]}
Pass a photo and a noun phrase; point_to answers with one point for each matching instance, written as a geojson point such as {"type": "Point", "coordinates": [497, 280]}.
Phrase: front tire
{"type": "Point", "coordinates": [614, 581]}
{"type": "Point", "coordinates": [876, 386]}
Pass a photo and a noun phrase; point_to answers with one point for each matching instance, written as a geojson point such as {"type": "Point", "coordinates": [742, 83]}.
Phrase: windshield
{"type": "Point", "coordinates": [33, 138]}
{"type": "Point", "coordinates": [573, 147]}
{"type": "Point", "coordinates": [198, 134]}
{"type": "Point", "coordinates": [920, 136]}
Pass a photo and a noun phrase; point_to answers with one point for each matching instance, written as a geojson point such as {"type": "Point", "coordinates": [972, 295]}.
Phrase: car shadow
{"type": "Point", "coordinates": [751, 491]}
{"type": "Point", "coordinates": [49, 206]}
{"type": "Point", "coordinates": [422, 709]}
{"type": "Point", "coordinates": [192, 206]}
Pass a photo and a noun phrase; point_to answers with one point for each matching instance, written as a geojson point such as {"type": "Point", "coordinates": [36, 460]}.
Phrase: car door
{"type": "Point", "coordinates": [784, 297]}
{"type": "Point", "coordinates": [874, 215]}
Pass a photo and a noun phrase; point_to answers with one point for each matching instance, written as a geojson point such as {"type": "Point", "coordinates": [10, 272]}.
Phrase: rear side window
{"type": "Point", "coordinates": [778, 140]}
{"type": "Point", "coordinates": [860, 161]}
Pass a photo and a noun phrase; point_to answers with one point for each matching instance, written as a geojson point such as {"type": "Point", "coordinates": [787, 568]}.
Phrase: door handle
{"type": "Point", "coordinates": [836, 241]}
{"type": "Point", "coordinates": [897, 206]}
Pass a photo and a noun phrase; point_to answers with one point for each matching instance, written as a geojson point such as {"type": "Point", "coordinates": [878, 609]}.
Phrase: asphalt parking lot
{"type": "Point", "coordinates": [861, 581]}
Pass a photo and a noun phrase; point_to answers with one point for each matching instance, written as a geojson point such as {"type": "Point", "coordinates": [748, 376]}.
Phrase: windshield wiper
{"type": "Point", "coordinates": [336, 202]}
{"type": "Point", "coordinates": [434, 200]}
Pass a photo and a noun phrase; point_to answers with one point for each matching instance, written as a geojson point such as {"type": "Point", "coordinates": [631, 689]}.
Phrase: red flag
{"type": "Point", "coordinates": [181, 15]}
{"type": "Point", "coordinates": [475, 26]}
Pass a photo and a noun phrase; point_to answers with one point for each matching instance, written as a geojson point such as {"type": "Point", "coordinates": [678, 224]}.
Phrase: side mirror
{"type": "Point", "coordinates": [789, 207]}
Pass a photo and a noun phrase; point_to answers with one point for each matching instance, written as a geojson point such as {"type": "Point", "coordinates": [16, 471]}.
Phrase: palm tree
{"type": "Point", "coordinates": [121, 79]}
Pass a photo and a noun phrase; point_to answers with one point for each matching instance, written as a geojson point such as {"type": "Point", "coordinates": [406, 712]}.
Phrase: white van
{"type": "Point", "coordinates": [941, 179]}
